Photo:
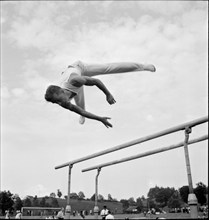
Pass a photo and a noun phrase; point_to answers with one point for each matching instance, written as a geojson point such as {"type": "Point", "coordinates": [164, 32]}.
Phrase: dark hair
{"type": "Point", "coordinates": [50, 92]}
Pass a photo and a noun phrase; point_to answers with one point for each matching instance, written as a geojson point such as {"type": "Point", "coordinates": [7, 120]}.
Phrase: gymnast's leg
{"type": "Point", "coordinates": [80, 101]}
{"type": "Point", "coordinates": [108, 68]}
{"type": "Point", "coordinates": [115, 68]}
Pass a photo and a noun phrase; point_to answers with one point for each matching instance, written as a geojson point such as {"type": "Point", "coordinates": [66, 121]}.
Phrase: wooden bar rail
{"type": "Point", "coordinates": [148, 153]}
{"type": "Point", "coordinates": [138, 141]}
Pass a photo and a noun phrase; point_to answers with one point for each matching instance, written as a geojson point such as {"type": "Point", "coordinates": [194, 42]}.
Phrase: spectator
{"type": "Point", "coordinates": [7, 216]}
{"type": "Point", "coordinates": [109, 215]}
{"type": "Point", "coordinates": [74, 213]}
{"type": "Point", "coordinates": [18, 215]}
{"type": "Point", "coordinates": [60, 214]}
{"type": "Point", "coordinates": [104, 212]}
{"type": "Point", "coordinates": [82, 214]}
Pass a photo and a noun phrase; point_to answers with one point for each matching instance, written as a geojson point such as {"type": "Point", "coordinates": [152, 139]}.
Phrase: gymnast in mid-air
{"type": "Point", "coordinates": [80, 74]}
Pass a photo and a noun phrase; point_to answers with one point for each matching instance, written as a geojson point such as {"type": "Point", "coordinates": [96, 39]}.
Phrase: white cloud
{"type": "Point", "coordinates": [167, 8]}
{"type": "Point", "coordinates": [49, 38]}
{"type": "Point", "coordinates": [150, 118]}
{"type": "Point", "coordinates": [18, 92]}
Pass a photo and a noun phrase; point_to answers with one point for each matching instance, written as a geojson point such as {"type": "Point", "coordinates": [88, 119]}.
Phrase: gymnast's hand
{"type": "Point", "coordinates": [110, 99]}
{"type": "Point", "coordinates": [106, 122]}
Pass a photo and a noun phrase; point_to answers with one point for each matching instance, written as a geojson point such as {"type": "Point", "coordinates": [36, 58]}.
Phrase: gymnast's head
{"type": "Point", "coordinates": [54, 94]}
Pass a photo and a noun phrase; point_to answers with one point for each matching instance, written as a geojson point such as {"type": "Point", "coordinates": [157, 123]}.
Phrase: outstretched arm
{"type": "Point", "coordinates": [88, 81]}
{"type": "Point", "coordinates": [110, 99]}
{"type": "Point", "coordinates": [80, 111]}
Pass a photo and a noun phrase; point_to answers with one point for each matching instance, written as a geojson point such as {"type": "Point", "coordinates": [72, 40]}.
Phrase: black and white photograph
{"type": "Point", "coordinates": [104, 109]}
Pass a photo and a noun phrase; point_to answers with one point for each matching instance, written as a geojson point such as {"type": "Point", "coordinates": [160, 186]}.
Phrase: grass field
{"type": "Point", "coordinates": [141, 216]}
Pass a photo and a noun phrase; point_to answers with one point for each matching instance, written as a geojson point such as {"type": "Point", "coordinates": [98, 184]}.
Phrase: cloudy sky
{"type": "Point", "coordinates": [38, 41]}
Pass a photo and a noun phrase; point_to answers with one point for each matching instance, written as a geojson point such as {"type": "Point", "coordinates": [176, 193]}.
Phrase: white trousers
{"type": "Point", "coordinates": [108, 68]}
{"type": "Point", "coordinates": [102, 69]}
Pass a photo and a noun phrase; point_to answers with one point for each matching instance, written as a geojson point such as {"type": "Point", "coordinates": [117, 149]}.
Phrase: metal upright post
{"type": "Point", "coordinates": [68, 207]}
{"type": "Point", "coordinates": [96, 208]}
{"type": "Point", "coordinates": [192, 199]}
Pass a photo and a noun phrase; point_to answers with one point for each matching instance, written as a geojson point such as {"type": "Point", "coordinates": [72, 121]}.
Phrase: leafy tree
{"type": "Point", "coordinates": [131, 201]}
{"type": "Point", "coordinates": [18, 204]}
{"type": "Point", "coordinates": [175, 201]}
{"type": "Point", "coordinates": [184, 192]}
{"type": "Point", "coordinates": [74, 195]}
{"type": "Point", "coordinates": [27, 202]}
{"type": "Point", "coordinates": [152, 204]}
{"type": "Point", "coordinates": [100, 197]}
{"type": "Point", "coordinates": [143, 198]}
{"type": "Point", "coordinates": [164, 195]}
{"type": "Point", "coordinates": [81, 195]}
{"type": "Point", "coordinates": [109, 197]}
{"type": "Point", "coordinates": [161, 195]}
{"type": "Point", "coordinates": [43, 202]}
{"type": "Point", "coordinates": [93, 197]}
{"type": "Point", "coordinates": [59, 193]}
{"type": "Point", "coordinates": [47, 205]}
{"type": "Point", "coordinates": [153, 192]}
{"type": "Point", "coordinates": [15, 196]}
{"type": "Point", "coordinates": [139, 204]}
{"type": "Point", "coordinates": [125, 204]}
{"type": "Point", "coordinates": [35, 201]}
{"type": "Point", "coordinates": [6, 201]}
{"type": "Point", "coordinates": [54, 202]}
{"type": "Point", "coordinates": [53, 195]}
{"type": "Point", "coordinates": [200, 192]}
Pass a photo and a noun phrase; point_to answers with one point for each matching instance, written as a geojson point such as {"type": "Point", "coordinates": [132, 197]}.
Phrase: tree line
{"type": "Point", "coordinates": [160, 197]}
{"type": "Point", "coordinates": [157, 198]}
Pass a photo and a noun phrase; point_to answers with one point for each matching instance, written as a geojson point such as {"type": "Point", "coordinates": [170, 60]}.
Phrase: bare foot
{"type": "Point", "coordinates": [149, 67]}
{"type": "Point", "coordinates": [81, 120]}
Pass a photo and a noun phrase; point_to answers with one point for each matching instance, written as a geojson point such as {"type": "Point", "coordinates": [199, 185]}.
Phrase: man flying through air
{"type": "Point", "coordinates": [80, 74]}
